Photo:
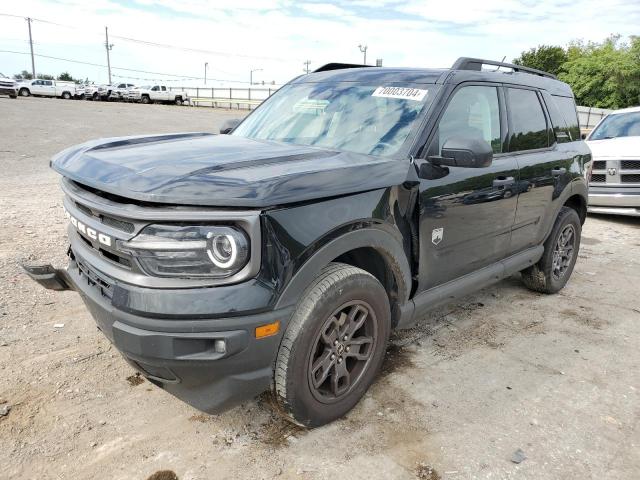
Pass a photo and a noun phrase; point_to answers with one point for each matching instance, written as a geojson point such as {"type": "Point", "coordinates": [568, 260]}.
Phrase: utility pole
{"type": "Point", "coordinates": [363, 49]}
{"type": "Point", "coordinates": [108, 46]}
{"type": "Point", "coordinates": [33, 63]}
{"type": "Point", "coordinates": [306, 66]}
{"type": "Point", "coordinates": [206, 64]}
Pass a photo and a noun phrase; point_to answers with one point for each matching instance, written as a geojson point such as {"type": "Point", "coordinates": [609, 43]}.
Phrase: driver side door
{"type": "Point", "coordinates": [467, 214]}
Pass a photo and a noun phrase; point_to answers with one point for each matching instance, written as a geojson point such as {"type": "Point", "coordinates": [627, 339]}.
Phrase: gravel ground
{"type": "Point", "coordinates": [502, 375]}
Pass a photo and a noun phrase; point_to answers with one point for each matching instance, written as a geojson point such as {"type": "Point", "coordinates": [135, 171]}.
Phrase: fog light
{"type": "Point", "coordinates": [220, 346]}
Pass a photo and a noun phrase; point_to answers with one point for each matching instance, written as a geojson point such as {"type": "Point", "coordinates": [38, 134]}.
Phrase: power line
{"type": "Point", "coordinates": [183, 77]}
{"type": "Point", "coordinates": [160, 45]}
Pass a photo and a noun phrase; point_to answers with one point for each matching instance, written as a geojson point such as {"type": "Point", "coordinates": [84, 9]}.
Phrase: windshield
{"type": "Point", "coordinates": [618, 125]}
{"type": "Point", "coordinates": [373, 120]}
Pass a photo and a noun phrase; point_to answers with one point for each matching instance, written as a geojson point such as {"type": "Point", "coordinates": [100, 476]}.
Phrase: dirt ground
{"type": "Point", "coordinates": [557, 377]}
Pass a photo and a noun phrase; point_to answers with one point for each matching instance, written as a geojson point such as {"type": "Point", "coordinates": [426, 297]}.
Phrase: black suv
{"type": "Point", "coordinates": [281, 255]}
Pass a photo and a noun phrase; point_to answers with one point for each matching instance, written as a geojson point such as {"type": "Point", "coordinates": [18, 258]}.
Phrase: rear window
{"type": "Point", "coordinates": [567, 107]}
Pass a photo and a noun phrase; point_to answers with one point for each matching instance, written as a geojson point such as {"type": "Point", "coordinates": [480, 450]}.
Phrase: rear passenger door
{"type": "Point", "coordinates": [466, 214]}
{"type": "Point", "coordinates": [544, 167]}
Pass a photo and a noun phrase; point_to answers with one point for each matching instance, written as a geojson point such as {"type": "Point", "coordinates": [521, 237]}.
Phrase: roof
{"type": "Point", "coordinates": [470, 72]}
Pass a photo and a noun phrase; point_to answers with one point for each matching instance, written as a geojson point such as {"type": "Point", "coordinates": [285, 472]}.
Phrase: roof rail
{"type": "Point", "coordinates": [338, 66]}
{"type": "Point", "coordinates": [466, 63]}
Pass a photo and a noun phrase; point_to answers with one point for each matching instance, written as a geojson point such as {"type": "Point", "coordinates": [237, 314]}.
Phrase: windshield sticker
{"type": "Point", "coordinates": [403, 93]}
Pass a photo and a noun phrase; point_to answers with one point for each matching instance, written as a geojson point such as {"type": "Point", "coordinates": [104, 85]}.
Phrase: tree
{"type": "Point", "coordinates": [66, 77]}
{"type": "Point", "coordinates": [544, 57]}
{"type": "Point", "coordinates": [24, 75]}
{"type": "Point", "coordinates": [44, 76]}
{"type": "Point", "coordinates": [606, 74]}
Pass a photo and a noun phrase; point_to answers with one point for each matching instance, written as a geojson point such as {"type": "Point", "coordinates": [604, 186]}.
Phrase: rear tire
{"type": "Point", "coordinates": [553, 270]}
{"type": "Point", "coordinates": [66, 95]}
{"type": "Point", "coordinates": [333, 347]}
{"type": "Point", "coordinates": [13, 96]}
{"type": "Point", "coordinates": [178, 100]}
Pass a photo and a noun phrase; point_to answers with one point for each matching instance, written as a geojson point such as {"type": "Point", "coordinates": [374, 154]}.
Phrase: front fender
{"type": "Point", "coordinates": [380, 240]}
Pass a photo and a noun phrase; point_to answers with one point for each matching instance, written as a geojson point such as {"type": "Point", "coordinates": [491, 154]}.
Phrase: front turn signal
{"type": "Point", "coordinates": [268, 330]}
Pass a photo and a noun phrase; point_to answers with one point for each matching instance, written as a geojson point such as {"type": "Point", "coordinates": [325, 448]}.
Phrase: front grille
{"type": "Point", "coordinates": [598, 178]}
{"type": "Point", "coordinates": [599, 165]}
{"type": "Point", "coordinates": [118, 224]}
{"type": "Point", "coordinates": [84, 209]}
{"type": "Point", "coordinates": [631, 178]}
{"type": "Point", "coordinates": [630, 165]}
{"type": "Point", "coordinates": [107, 220]}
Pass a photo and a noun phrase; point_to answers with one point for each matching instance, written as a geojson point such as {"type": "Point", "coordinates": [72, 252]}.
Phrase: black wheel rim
{"type": "Point", "coordinates": [342, 351]}
{"type": "Point", "coordinates": [563, 251]}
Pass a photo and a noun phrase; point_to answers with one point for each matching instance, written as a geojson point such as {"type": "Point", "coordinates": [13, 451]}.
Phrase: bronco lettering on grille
{"type": "Point", "coordinates": [88, 231]}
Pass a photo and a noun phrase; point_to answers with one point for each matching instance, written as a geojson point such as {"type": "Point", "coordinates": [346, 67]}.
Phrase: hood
{"type": "Point", "coordinates": [619, 147]}
{"type": "Point", "coordinates": [223, 170]}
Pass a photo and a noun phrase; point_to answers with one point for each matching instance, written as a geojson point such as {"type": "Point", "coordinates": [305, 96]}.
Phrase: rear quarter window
{"type": "Point", "coordinates": [567, 108]}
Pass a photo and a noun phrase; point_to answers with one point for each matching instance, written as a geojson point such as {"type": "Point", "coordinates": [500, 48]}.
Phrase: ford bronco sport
{"type": "Point", "coordinates": [281, 255]}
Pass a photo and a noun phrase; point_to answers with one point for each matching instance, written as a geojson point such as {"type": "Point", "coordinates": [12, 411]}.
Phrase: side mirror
{"type": "Point", "coordinates": [464, 152]}
{"type": "Point", "coordinates": [229, 125]}
{"type": "Point", "coordinates": [583, 136]}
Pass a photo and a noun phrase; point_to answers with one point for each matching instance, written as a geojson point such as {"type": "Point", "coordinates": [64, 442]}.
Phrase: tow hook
{"type": "Point", "coordinates": [49, 277]}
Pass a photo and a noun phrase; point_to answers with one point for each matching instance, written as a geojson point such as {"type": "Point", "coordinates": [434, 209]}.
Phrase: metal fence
{"type": "Point", "coordinates": [241, 98]}
{"type": "Point", "coordinates": [248, 98]}
{"type": "Point", "coordinates": [590, 116]}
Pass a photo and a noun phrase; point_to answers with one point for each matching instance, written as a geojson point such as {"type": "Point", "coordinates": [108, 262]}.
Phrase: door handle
{"type": "Point", "coordinates": [556, 172]}
{"type": "Point", "coordinates": [504, 181]}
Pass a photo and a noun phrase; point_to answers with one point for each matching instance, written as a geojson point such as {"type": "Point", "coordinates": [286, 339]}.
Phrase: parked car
{"type": "Point", "coordinates": [47, 88]}
{"type": "Point", "coordinates": [157, 93]}
{"type": "Point", "coordinates": [281, 255]}
{"type": "Point", "coordinates": [8, 86]}
{"type": "Point", "coordinates": [614, 185]}
{"type": "Point", "coordinates": [80, 91]}
{"type": "Point", "coordinates": [97, 92]}
{"type": "Point", "coordinates": [120, 91]}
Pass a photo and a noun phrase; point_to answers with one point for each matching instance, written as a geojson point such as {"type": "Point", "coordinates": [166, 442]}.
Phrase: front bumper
{"type": "Point", "coordinates": [8, 91]}
{"type": "Point", "coordinates": [622, 201]}
{"type": "Point", "coordinates": [180, 353]}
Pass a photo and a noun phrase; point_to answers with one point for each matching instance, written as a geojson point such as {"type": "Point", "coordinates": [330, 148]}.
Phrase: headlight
{"type": "Point", "coordinates": [189, 250]}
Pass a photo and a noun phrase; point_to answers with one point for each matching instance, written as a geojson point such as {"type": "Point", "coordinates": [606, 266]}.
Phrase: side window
{"type": "Point", "coordinates": [155, 89]}
{"type": "Point", "coordinates": [164, 89]}
{"type": "Point", "coordinates": [528, 123]}
{"type": "Point", "coordinates": [567, 107]}
{"type": "Point", "coordinates": [557, 120]}
{"type": "Point", "coordinates": [473, 112]}
{"type": "Point", "coordinates": [48, 83]}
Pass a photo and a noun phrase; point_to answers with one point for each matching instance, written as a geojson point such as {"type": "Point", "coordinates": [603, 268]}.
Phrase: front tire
{"type": "Point", "coordinates": [553, 270]}
{"type": "Point", "coordinates": [24, 92]}
{"type": "Point", "coordinates": [145, 99]}
{"type": "Point", "coordinates": [333, 347]}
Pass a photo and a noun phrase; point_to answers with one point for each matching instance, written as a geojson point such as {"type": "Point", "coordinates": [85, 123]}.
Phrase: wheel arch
{"type": "Point", "coordinates": [578, 203]}
{"type": "Point", "coordinates": [371, 249]}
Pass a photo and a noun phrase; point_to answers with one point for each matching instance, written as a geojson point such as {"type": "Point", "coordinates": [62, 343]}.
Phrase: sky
{"type": "Point", "coordinates": [276, 37]}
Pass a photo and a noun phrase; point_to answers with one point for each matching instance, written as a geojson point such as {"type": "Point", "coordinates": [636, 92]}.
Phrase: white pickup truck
{"type": "Point", "coordinates": [47, 88]}
{"type": "Point", "coordinates": [157, 93]}
{"type": "Point", "coordinates": [8, 86]}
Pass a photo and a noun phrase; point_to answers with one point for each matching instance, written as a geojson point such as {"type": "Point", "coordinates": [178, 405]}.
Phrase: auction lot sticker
{"type": "Point", "coordinates": [403, 93]}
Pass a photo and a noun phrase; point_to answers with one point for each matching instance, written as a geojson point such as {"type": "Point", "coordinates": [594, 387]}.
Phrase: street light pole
{"type": "Point", "coordinates": [206, 64]}
{"type": "Point", "coordinates": [363, 49]}
{"type": "Point", "coordinates": [251, 75]}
